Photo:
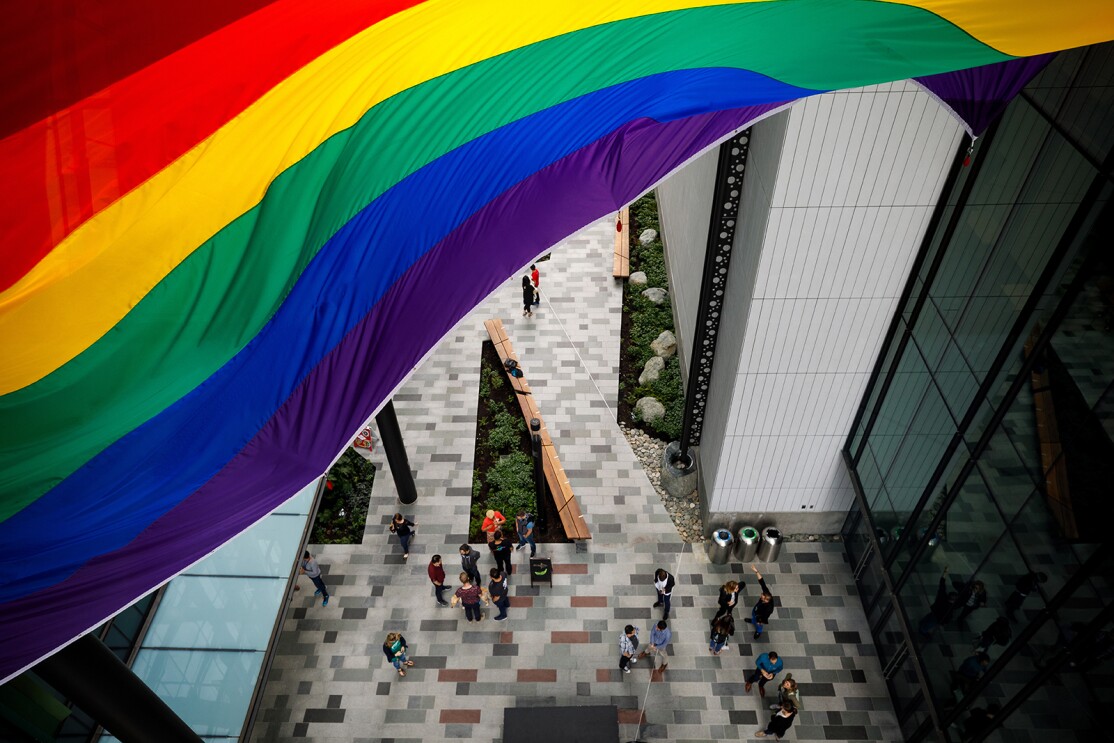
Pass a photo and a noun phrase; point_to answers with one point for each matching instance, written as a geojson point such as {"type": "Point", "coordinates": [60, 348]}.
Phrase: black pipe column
{"type": "Point", "coordinates": [717, 258]}
{"type": "Point", "coordinates": [91, 676]}
{"type": "Point", "coordinates": [391, 435]}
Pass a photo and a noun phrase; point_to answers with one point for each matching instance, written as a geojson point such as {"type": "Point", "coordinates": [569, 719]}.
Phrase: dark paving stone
{"type": "Point", "coordinates": [858, 676]}
{"type": "Point", "coordinates": [686, 717]}
{"type": "Point", "coordinates": [845, 732]}
{"type": "Point", "coordinates": [444, 457]}
{"type": "Point", "coordinates": [848, 638]}
{"type": "Point", "coordinates": [383, 688]}
{"type": "Point", "coordinates": [816, 690]}
{"type": "Point", "coordinates": [583, 689]}
{"type": "Point", "coordinates": [331, 636]}
{"type": "Point", "coordinates": [323, 715]}
{"type": "Point", "coordinates": [305, 687]}
{"type": "Point", "coordinates": [301, 730]}
{"type": "Point", "coordinates": [732, 689]}
{"type": "Point", "coordinates": [337, 661]}
{"type": "Point", "coordinates": [334, 701]}
{"type": "Point", "coordinates": [354, 613]}
{"type": "Point", "coordinates": [508, 650]}
{"type": "Point", "coordinates": [299, 613]}
{"type": "Point", "coordinates": [815, 591]}
{"type": "Point", "coordinates": [835, 718]}
{"type": "Point", "coordinates": [438, 625]}
{"type": "Point", "coordinates": [806, 557]}
{"type": "Point", "coordinates": [743, 717]}
{"type": "Point", "coordinates": [608, 528]}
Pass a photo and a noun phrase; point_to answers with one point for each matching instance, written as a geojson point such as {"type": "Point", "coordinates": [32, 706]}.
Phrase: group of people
{"type": "Point", "coordinates": [767, 666]}
{"type": "Point", "coordinates": [957, 603]}
{"type": "Point", "coordinates": [531, 294]}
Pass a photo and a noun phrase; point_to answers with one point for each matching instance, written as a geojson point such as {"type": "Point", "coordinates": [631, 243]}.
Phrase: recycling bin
{"type": "Point", "coordinates": [720, 546]}
{"type": "Point", "coordinates": [770, 545]}
{"type": "Point", "coordinates": [746, 545]}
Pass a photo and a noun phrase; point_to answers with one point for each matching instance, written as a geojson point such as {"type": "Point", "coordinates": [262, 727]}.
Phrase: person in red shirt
{"type": "Point", "coordinates": [437, 577]}
{"type": "Point", "coordinates": [492, 523]}
{"type": "Point", "coordinates": [535, 279]}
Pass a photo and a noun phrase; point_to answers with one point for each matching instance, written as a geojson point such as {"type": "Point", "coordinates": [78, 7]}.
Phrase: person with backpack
{"type": "Point", "coordinates": [722, 629]}
{"type": "Point", "coordinates": [524, 526]}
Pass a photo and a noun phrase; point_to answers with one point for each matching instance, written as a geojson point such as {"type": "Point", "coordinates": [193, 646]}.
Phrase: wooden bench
{"type": "Point", "coordinates": [1053, 459]}
{"type": "Point", "coordinates": [572, 519]}
{"type": "Point", "coordinates": [620, 267]}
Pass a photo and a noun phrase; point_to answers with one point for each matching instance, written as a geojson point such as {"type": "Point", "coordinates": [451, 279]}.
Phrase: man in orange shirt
{"type": "Point", "coordinates": [492, 523]}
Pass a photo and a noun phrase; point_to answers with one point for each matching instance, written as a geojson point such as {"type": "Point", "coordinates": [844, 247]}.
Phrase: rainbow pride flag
{"type": "Point", "coordinates": [224, 222]}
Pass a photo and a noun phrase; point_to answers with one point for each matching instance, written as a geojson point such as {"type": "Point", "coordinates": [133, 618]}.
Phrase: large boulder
{"type": "Point", "coordinates": [656, 294]}
{"type": "Point", "coordinates": [652, 370]}
{"type": "Point", "coordinates": [649, 409]}
{"type": "Point", "coordinates": [665, 345]}
{"type": "Point", "coordinates": [638, 278]}
{"type": "Point", "coordinates": [648, 236]}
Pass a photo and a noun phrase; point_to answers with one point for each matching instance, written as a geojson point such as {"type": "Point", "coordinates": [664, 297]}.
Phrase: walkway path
{"type": "Point", "coordinates": [330, 680]}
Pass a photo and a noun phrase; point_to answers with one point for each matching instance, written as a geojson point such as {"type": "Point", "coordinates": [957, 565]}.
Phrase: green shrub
{"type": "Point", "coordinates": [506, 433]}
{"type": "Point", "coordinates": [352, 477]}
{"type": "Point", "coordinates": [511, 484]}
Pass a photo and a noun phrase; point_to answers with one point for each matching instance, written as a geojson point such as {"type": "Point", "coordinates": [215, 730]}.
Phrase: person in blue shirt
{"type": "Point", "coordinates": [766, 668]}
{"type": "Point", "coordinates": [660, 637]}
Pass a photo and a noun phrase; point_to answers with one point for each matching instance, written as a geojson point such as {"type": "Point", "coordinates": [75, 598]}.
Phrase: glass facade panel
{"type": "Point", "coordinates": [987, 468]}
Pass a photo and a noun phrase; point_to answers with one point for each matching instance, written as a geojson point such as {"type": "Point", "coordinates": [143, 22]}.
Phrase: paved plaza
{"type": "Point", "coordinates": [330, 681]}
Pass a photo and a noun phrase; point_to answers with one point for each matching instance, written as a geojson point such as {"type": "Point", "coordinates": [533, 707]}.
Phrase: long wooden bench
{"type": "Point", "coordinates": [572, 520]}
{"type": "Point", "coordinates": [1053, 460]}
{"type": "Point", "coordinates": [620, 267]}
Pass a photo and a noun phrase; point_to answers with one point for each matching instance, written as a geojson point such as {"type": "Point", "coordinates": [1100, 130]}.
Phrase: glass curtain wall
{"type": "Point", "coordinates": [982, 456]}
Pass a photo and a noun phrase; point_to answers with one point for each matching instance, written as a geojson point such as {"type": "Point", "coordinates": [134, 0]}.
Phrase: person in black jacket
{"type": "Point", "coordinates": [760, 614]}
{"type": "Point", "coordinates": [468, 559]}
{"type": "Point", "coordinates": [1024, 586]}
{"type": "Point", "coordinates": [780, 722]}
{"type": "Point", "coordinates": [404, 529]}
{"type": "Point", "coordinates": [728, 598]}
{"type": "Point", "coordinates": [941, 611]}
{"type": "Point", "coordinates": [999, 632]}
{"type": "Point", "coordinates": [527, 297]}
{"type": "Point", "coordinates": [663, 583]}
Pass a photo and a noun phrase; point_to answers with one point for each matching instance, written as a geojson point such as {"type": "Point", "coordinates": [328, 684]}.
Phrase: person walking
{"type": "Point", "coordinates": [628, 644]}
{"type": "Point", "coordinates": [728, 598]}
{"type": "Point", "coordinates": [663, 583]}
{"type": "Point", "coordinates": [722, 628]}
{"type": "Point", "coordinates": [395, 649]}
{"type": "Point", "coordinates": [779, 723]}
{"type": "Point", "coordinates": [536, 280]}
{"type": "Point", "coordinates": [499, 592]}
{"type": "Point", "coordinates": [766, 667]}
{"type": "Point", "coordinates": [404, 530]}
{"type": "Point", "coordinates": [660, 637]}
{"type": "Point", "coordinates": [501, 551]}
{"type": "Point", "coordinates": [787, 691]}
{"type": "Point", "coordinates": [524, 526]}
{"type": "Point", "coordinates": [760, 614]}
{"type": "Point", "coordinates": [470, 596]}
{"type": "Point", "coordinates": [312, 570]}
{"type": "Point", "coordinates": [970, 671]}
{"type": "Point", "coordinates": [437, 576]}
{"type": "Point", "coordinates": [1024, 586]}
{"type": "Point", "coordinates": [940, 613]}
{"type": "Point", "coordinates": [468, 559]}
{"type": "Point", "coordinates": [493, 522]}
{"type": "Point", "coordinates": [527, 297]}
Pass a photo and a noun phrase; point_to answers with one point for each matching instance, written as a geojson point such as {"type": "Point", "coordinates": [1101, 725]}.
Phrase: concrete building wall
{"type": "Point", "coordinates": [833, 216]}
{"type": "Point", "coordinates": [684, 206]}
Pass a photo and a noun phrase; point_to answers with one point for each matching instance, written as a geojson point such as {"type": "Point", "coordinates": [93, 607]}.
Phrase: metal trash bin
{"type": "Point", "coordinates": [770, 545]}
{"type": "Point", "coordinates": [746, 546]}
{"type": "Point", "coordinates": [720, 546]}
